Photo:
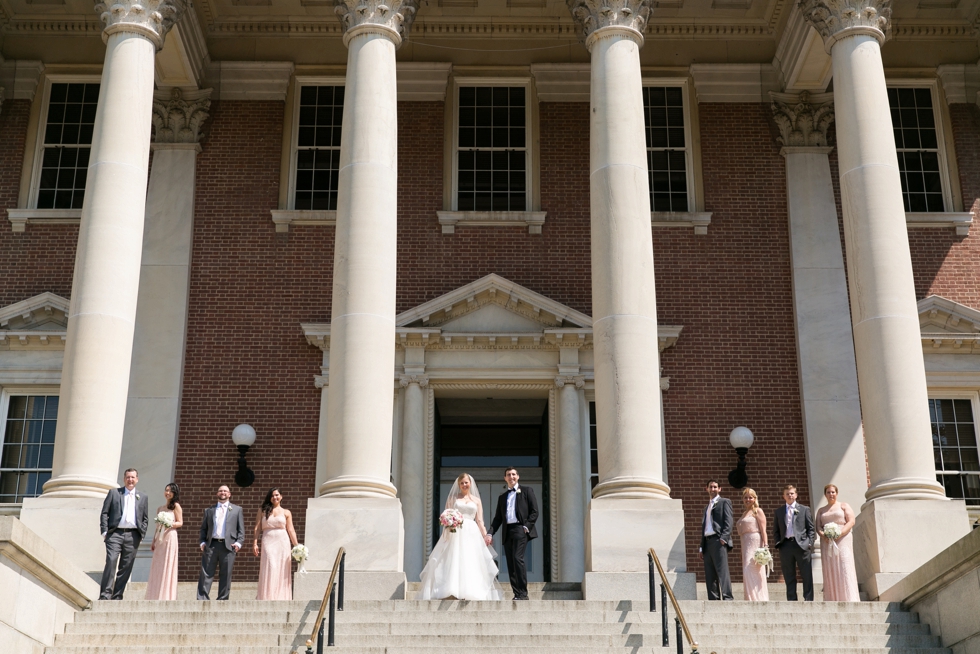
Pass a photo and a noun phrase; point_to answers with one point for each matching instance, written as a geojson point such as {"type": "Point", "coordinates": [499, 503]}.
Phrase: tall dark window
{"type": "Point", "coordinates": [321, 114]}
{"type": "Point", "coordinates": [954, 444]}
{"type": "Point", "coordinates": [67, 145]}
{"type": "Point", "coordinates": [663, 109]}
{"type": "Point", "coordinates": [28, 446]}
{"type": "Point", "coordinates": [492, 149]}
{"type": "Point", "coordinates": [918, 149]}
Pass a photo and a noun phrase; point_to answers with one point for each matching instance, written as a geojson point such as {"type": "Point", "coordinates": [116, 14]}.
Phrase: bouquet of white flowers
{"type": "Point", "coordinates": [165, 518]}
{"type": "Point", "coordinates": [831, 531]}
{"type": "Point", "coordinates": [451, 519]}
{"type": "Point", "coordinates": [762, 557]}
{"type": "Point", "coordinates": [300, 553]}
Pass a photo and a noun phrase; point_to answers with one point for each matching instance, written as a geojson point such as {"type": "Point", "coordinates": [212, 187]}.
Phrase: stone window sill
{"type": "Point", "coordinates": [698, 220]}
{"type": "Point", "coordinates": [960, 220]}
{"type": "Point", "coordinates": [19, 218]}
{"type": "Point", "coordinates": [533, 220]}
{"type": "Point", "coordinates": [284, 218]}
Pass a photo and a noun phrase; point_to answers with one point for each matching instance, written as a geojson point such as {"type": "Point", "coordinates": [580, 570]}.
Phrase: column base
{"type": "Point", "coordinates": [618, 533]}
{"type": "Point", "coordinates": [894, 537]}
{"type": "Point", "coordinates": [357, 585]}
{"type": "Point", "coordinates": [371, 530]}
{"type": "Point", "coordinates": [71, 526]}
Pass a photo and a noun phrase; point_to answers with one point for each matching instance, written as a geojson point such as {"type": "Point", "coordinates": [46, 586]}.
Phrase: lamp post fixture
{"type": "Point", "coordinates": [741, 439]}
{"type": "Point", "coordinates": [244, 437]}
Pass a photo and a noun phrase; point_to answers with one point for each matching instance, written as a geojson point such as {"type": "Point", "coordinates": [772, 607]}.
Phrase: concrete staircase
{"type": "Point", "coordinates": [542, 626]}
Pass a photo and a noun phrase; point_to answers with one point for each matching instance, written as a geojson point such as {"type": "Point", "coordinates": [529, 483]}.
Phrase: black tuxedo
{"type": "Point", "coordinates": [120, 544]}
{"type": "Point", "coordinates": [517, 535]}
{"type": "Point", "coordinates": [219, 553]}
{"type": "Point", "coordinates": [795, 549]}
{"type": "Point", "coordinates": [715, 549]}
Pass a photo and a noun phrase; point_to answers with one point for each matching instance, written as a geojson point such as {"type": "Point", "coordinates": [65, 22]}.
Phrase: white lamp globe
{"type": "Point", "coordinates": [244, 435]}
{"type": "Point", "coordinates": [741, 437]}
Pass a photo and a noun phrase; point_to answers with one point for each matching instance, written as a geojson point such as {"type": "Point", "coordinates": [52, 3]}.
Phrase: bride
{"type": "Point", "coordinates": [461, 565]}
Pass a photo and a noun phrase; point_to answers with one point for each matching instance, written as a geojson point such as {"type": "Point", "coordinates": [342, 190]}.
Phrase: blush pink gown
{"type": "Point", "coordinates": [275, 569]}
{"type": "Point", "coordinates": [840, 582]}
{"type": "Point", "coordinates": [162, 584]}
{"type": "Point", "coordinates": [754, 583]}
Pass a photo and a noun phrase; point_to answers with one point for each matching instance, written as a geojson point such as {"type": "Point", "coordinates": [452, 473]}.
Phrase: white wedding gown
{"type": "Point", "coordinates": [461, 565]}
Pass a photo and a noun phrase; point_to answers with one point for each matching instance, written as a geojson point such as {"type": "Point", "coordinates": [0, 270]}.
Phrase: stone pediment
{"type": "Point", "coordinates": [948, 327]}
{"type": "Point", "coordinates": [40, 320]}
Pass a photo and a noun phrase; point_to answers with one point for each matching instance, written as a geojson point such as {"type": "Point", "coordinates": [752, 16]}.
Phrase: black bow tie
{"type": "Point", "coordinates": [511, 490]}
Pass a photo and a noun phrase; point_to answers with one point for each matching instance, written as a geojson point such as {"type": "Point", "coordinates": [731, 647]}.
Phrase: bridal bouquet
{"type": "Point", "coordinates": [165, 519]}
{"type": "Point", "coordinates": [300, 553]}
{"type": "Point", "coordinates": [451, 519]}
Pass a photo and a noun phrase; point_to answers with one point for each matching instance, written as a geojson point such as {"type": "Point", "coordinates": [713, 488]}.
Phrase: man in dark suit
{"type": "Point", "coordinates": [222, 535]}
{"type": "Point", "coordinates": [123, 525]}
{"type": "Point", "coordinates": [795, 536]}
{"type": "Point", "coordinates": [517, 511]}
{"type": "Point", "coordinates": [716, 543]}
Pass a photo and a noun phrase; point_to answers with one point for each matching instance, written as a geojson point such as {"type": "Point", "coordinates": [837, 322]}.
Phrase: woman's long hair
{"type": "Point", "coordinates": [267, 503]}
{"type": "Point", "coordinates": [175, 500]}
{"type": "Point", "coordinates": [755, 500]}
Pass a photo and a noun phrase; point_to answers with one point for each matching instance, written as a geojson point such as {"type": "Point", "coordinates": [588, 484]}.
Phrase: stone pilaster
{"type": "Point", "coordinates": [412, 488]}
{"type": "Point", "coordinates": [887, 346]}
{"type": "Point", "coordinates": [571, 483]}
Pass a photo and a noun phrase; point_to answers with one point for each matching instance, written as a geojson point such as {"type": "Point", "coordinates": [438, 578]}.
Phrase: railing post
{"type": "Point", "coordinates": [319, 638]}
{"type": "Point", "coordinates": [340, 587]}
{"type": "Point", "coordinates": [663, 618]}
{"type": "Point", "coordinates": [680, 634]}
{"type": "Point", "coordinates": [653, 585]}
{"type": "Point", "coordinates": [332, 618]}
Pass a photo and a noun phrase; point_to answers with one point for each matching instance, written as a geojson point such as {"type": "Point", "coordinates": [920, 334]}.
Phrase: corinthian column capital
{"type": "Point", "coordinates": [178, 116]}
{"type": "Point", "coordinates": [393, 17]}
{"type": "Point", "coordinates": [803, 119]}
{"type": "Point", "coordinates": [406, 380]}
{"type": "Point", "coordinates": [151, 18]}
{"type": "Point", "coordinates": [834, 19]}
{"type": "Point", "coordinates": [593, 15]}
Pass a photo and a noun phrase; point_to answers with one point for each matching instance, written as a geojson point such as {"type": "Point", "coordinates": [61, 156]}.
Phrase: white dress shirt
{"type": "Point", "coordinates": [709, 526]}
{"type": "Point", "coordinates": [220, 513]}
{"type": "Point", "coordinates": [512, 506]}
{"type": "Point", "coordinates": [790, 532]}
{"type": "Point", "coordinates": [128, 519]}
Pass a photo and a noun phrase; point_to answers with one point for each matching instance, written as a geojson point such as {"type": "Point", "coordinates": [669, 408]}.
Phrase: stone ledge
{"type": "Point", "coordinates": [960, 220]}
{"type": "Point", "coordinates": [284, 218]}
{"type": "Point", "coordinates": [19, 218]}
{"type": "Point", "coordinates": [698, 220]}
{"type": "Point", "coordinates": [957, 560]}
{"type": "Point", "coordinates": [533, 220]}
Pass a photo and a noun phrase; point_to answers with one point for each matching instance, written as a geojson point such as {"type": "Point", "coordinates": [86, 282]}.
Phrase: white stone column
{"type": "Point", "coordinates": [95, 374]}
{"type": "Point", "coordinates": [357, 507]}
{"type": "Point", "coordinates": [631, 510]}
{"type": "Point", "coordinates": [571, 510]}
{"type": "Point", "coordinates": [887, 341]}
{"type": "Point", "coordinates": [412, 488]}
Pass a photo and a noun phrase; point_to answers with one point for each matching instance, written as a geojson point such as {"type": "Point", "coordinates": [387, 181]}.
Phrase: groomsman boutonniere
{"type": "Point", "coordinates": [518, 491]}
{"type": "Point", "coordinates": [796, 512]}
{"type": "Point", "coordinates": [137, 497]}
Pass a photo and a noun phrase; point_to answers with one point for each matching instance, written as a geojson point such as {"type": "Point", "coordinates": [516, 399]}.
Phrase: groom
{"type": "Point", "coordinates": [517, 511]}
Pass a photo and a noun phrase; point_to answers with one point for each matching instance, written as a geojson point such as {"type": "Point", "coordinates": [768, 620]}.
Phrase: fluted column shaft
{"type": "Point", "coordinates": [887, 340]}
{"type": "Point", "coordinates": [412, 487]}
{"type": "Point", "coordinates": [95, 373]}
{"type": "Point", "coordinates": [624, 300]}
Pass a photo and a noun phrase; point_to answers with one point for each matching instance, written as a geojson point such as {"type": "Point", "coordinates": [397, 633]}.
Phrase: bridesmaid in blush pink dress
{"type": "Point", "coordinates": [162, 584]}
{"type": "Point", "coordinates": [840, 582]}
{"type": "Point", "coordinates": [752, 532]}
{"type": "Point", "coordinates": [278, 539]}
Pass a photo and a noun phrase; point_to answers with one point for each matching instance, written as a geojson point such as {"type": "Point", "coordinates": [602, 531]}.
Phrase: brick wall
{"type": "Point", "coordinates": [943, 263]}
{"type": "Point", "coordinates": [43, 257]}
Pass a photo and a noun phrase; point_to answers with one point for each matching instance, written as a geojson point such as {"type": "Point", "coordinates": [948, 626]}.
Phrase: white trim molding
{"type": "Point", "coordinates": [699, 220]}
{"type": "Point", "coordinates": [249, 80]}
{"type": "Point", "coordinates": [283, 218]}
{"type": "Point", "coordinates": [562, 82]}
{"type": "Point", "coordinates": [422, 81]}
{"type": "Point", "coordinates": [533, 220]}
{"type": "Point", "coordinates": [960, 220]}
{"type": "Point", "coordinates": [20, 218]}
{"type": "Point", "coordinates": [733, 82]}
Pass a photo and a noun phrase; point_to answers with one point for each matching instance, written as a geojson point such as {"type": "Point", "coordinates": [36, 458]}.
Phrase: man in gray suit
{"type": "Point", "coordinates": [123, 525]}
{"type": "Point", "coordinates": [222, 535]}
{"type": "Point", "coordinates": [716, 543]}
{"type": "Point", "coordinates": [795, 536]}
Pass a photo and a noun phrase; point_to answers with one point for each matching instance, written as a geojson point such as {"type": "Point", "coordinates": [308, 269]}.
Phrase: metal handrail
{"type": "Point", "coordinates": [652, 555]}
{"type": "Point", "coordinates": [328, 597]}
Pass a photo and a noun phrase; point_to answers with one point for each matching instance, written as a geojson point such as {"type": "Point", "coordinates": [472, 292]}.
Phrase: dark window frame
{"type": "Point", "coordinates": [919, 147]}
{"type": "Point", "coordinates": [956, 445]}
{"type": "Point", "coordinates": [315, 155]}
{"type": "Point", "coordinates": [669, 147]}
{"type": "Point", "coordinates": [28, 439]}
{"type": "Point", "coordinates": [64, 142]}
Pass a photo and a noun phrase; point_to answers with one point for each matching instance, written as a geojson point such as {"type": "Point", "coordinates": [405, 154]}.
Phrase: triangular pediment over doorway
{"type": "Point", "coordinates": [946, 325]}
{"type": "Point", "coordinates": [41, 320]}
{"type": "Point", "coordinates": [493, 303]}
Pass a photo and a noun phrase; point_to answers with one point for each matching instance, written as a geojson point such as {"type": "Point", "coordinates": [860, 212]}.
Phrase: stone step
{"type": "Point", "coordinates": [565, 649]}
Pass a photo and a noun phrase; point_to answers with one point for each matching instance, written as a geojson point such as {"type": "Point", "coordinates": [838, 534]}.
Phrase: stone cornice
{"type": "Point", "coordinates": [803, 119]}
{"type": "Point", "coordinates": [395, 16]}
{"type": "Point", "coordinates": [178, 115]}
{"type": "Point", "coordinates": [593, 15]}
{"type": "Point", "coordinates": [150, 18]}
{"type": "Point", "coordinates": [833, 17]}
